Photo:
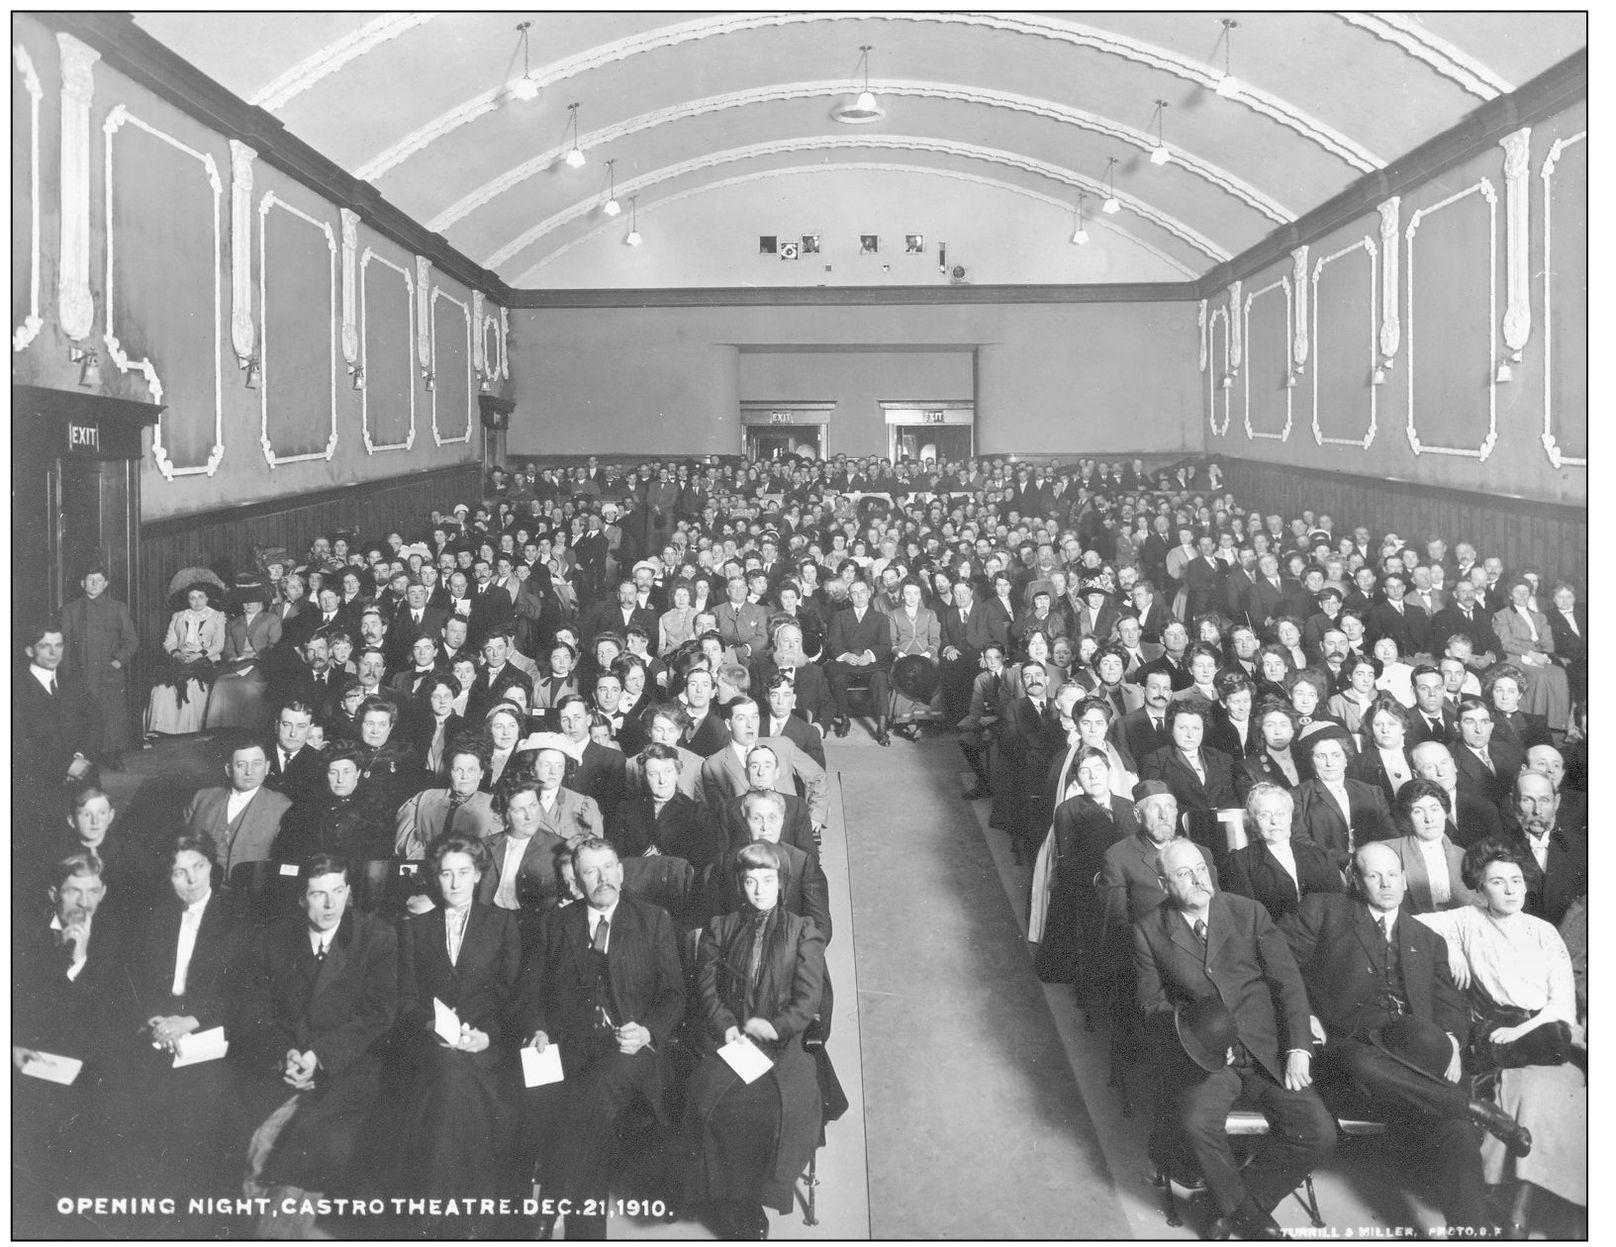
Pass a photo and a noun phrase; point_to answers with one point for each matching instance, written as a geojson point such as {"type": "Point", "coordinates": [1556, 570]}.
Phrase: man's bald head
{"type": "Point", "coordinates": [1547, 760]}
{"type": "Point", "coordinates": [1434, 761]}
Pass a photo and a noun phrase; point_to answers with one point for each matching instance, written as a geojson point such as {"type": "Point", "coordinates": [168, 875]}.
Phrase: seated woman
{"type": "Point", "coordinates": [1383, 757]}
{"type": "Point", "coordinates": [1232, 729]}
{"type": "Point", "coordinates": [759, 974]}
{"type": "Point", "coordinates": [1357, 693]}
{"type": "Point", "coordinates": [457, 1110]}
{"type": "Point", "coordinates": [237, 699]}
{"type": "Point", "coordinates": [439, 726]}
{"type": "Point", "coordinates": [1203, 660]}
{"type": "Point", "coordinates": [1273, 669]}
{"type": "Point", "coordinates": [1308, 691]}
{"type": "Point", "coordinates": [1528, 641]}
{"type": "Point", "coordinates": [1504, 687]}
{"type": "Point", "coordinates": [1518, 973]}
{"type": "Point", "coordinates": [194, 645]}
{"type": "Point", "coordinates": [1396, 676]}
{"type": "Point", "coordinates": [1432, 863]}
{"type": "Point", "coordinates": [1273, 869]}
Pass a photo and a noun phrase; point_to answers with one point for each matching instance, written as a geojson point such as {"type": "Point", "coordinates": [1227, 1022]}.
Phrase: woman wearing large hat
{"type": "Point", "coordinates": [193, 645]}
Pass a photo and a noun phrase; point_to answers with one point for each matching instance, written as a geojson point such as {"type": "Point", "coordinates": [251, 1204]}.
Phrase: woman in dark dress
{"type": "Point", "coordinates": [459, 1099]}
{"type": "Point", "coordinates": [759, 974]}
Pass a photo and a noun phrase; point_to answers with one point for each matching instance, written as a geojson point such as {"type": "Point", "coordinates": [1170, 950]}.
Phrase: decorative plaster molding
{"type": "Point", "coordinates": [532, 276]}
{"type": "Point", "coordinates": [860, 142]}
{"type": "Point", "coordinates": [1391, 330]}
{"type": "Point", "coordinates": [423, 312]}
{"type": "Point", "coordinates": [116, 119]}
{"type": "Point", "coordinates": [1299, 284]}
{"type": "Point", "coordinates": [270, 201]}
{"type": "Point", "coordinates": [75, 306]}
{"type": "Point", "coordinates": [471, 385]}
{"type": "Point", "coordinates": [488, 336]}
{"type": "Point", "coordinates": [1283, 283]}
{"type": "Point", "coordinates": [606, 136]}
{"type": "Point", "coordinates": [329, 59]}
{"type": "Point", "coordinates": [1485, 188]}
{"type": "Point", "coordinates": [1215, 376]}
{"type": "Point", "coordinates": [1551, 445]}
{"type": "Point", "coordinates": [1407, 33]}
{"type": "Point", "coordinates": [1200, 327]}
{"type": "Point", "coordinates": [371, 445]}
{"type": "Point", "coordinates": [478, 317]}
{"type": "Point", "coordinates": [1517, 245]}
{"type": "Point", "coordinates": [1109, 43]}
{"type": "Point", "coordinates": [241, 186]}
{"type": "Point", "coordinates": [350, 298]}
{"type": "Point", "coordinates": [505, 343]}
{"type": "Point", "coordinates": [1366, 244]}
{"type": "Point", "coordinates": [32, 322]}
{"type": "Point", "coordinates": [1236, 345]}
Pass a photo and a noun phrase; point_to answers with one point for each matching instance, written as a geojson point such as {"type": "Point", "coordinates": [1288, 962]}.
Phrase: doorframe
{"type": "Point", "coordinates": [954, 413]}
{"type": "Point", "coordinates": [815, 414]}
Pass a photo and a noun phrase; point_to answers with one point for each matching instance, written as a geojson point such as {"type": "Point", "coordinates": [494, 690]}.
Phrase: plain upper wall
{"type": "Point", "coordinates": [1049, 378]}
{"type": "Point", "coordinates": [1451, 299]}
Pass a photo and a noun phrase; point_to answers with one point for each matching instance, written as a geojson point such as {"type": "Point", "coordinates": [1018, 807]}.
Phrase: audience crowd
{"type": "Point", "coordinates": [542, 785]}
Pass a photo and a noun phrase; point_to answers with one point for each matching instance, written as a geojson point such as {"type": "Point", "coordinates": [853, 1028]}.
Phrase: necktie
{"type": "Point", "coordinates": [51, 688]}
{"type": "Point", "coordinates": [1155, 723]}
{"type": "Point", "coordinates": [602, 930]}
{"type": "Point", "coordinates": [1385, 921]}
{"type": "Point", "coordinates": [1487, 762]}
{"type": "Point", "coordinates": [1200, 933]}
{"type": "Point", "coordinates": [319, 952]}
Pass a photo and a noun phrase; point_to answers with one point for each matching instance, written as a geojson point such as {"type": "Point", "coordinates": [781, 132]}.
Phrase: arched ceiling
{"type": "Point", "coordinates": [722, 127]}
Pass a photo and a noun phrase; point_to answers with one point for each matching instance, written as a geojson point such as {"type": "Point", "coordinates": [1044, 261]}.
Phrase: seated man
{"type": "Point", "coordinates": [606, 986]}
{"type": "Point", "coordinates": [1205, 958]}
{"type": "Point", "coordinates": [860, 646]}
{"type": "Point", "coordinates": [296, 768]}
{"type": "Point", "coordinates": [459, 807]}
{"type": "Point", "coordinates": [318, 992]}
{"type": "Point", "coordinates": [244, 817]}
{"type": "Point", "coordinates": [723, 775]}
{"type": "Point", "coordinates": [1379, 985]}
{"type": "Point", "coordinates": [781, 720]}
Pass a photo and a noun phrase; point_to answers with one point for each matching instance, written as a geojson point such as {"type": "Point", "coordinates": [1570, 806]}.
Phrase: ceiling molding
{"type": "Point", "coordinates": [1438, 53]}
{"type": "Point", "coordinates": [596, 139]}
{"type": "Point", "coordinates": [1550, 93]}
{"type": "Point", "coordinates": [854, 296]}
{"type": "Point", "coordinates": [1331, 140]}
{"type": "Point", "coordinates": [872, 142]}
{"type": "Point", "coordinates": [151, 64]}
{"type": "Point", "coordinates": [1099, 221]}
{"type": "Point", "coordinates": [334, 56]}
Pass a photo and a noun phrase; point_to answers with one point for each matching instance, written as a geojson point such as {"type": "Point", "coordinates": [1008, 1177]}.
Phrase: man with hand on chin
{"type": "Point", "coordinates": [606, 987]}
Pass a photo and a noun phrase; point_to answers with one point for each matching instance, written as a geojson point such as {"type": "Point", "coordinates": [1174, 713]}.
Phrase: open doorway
{"type": "Point", "coordinates": [797, 430]}
{"type": "Point", "coordinates": [942, 432]}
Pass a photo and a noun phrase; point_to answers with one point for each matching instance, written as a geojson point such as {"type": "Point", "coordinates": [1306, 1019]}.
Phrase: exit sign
{"type": "Point", "coordinates": [83, 438]}
{"type": "Point", "coordinates": [931, 417]}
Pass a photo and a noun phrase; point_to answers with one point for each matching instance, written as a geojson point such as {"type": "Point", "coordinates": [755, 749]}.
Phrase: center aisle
{"type": "Point", "coordinates": [975, 1126]}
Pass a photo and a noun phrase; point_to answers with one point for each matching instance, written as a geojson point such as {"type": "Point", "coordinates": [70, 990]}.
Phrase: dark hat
{"type": "Point", "coordinates": [248, 588]}
{"type": "Point", "coordinates": [1150, 788]}
{"type": "Point", "coordinates": [915, 677]}
{"type": "Point", "coordinates": [1421, 1046]}
{"type": "Point", "coordinates": [1094, 584]}
{"type": "Point", "coordinates": [1206, 1031]}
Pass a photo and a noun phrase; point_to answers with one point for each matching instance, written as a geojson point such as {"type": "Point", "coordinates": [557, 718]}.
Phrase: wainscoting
{"type": "Point", "coordinates": [224, 539]}
{"type": "Point", "coordinates": [1552, 538]}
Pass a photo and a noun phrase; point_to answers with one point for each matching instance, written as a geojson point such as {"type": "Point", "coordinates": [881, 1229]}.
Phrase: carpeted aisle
{"type": "Point", "coordinates": [975, 1126]}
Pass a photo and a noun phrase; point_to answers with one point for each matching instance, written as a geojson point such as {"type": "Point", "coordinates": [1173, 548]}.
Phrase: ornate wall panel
{"type": "Point", "coordinates": [1268, 378]}
{"type": "Point", "coordinates": [26, 94]}
{"type": "Point", "coordinates": [1218, 393]}
{"type": "Point", "coordinates": [453, 390]}
{"type": "Point", "coordinates": [1345, 345]}
{"type": "Point", "coordinates": [1453, 317]}
{"type": "Point", "coordinates": [75, 306]}
{"type": "Point", "coordinates": [299, 315]}
{"type": "Point", "coordinates": [387, 333]}
{"type": "Point", "coordinates": [164, 286]}
{"type": "Point", "coordinates": [1565, 301]}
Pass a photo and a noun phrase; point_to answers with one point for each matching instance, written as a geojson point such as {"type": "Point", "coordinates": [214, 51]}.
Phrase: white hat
{"type": "Point", "coordinates": [545, 740]}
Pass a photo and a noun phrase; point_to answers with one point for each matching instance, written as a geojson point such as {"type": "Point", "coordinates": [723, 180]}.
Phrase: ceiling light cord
{"type": "Point", "coordinates": [1228, 85]}
{"type": "Point", "coordinates": [575, 158]}
{"type": "Point", "coordinates": [611, 207]}
{"type": "Point", "coordinates": [1112, 204]}
{"type": "Point", "coordinates": [525, 88]}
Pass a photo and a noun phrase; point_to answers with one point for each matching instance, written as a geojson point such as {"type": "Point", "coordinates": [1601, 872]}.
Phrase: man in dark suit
{"type": "Point", "coordinates": [1175, 642]}
{"type": "Point", "coordinates": [859, 646]}
{"type": "Point", "coordinates": [1433, 718]}
{"type": "Point", "coordinates": [1377, 978]}
{"type": "Point", "coordinates": [959, 657]}
{"type": "Point", "coordinates": [1204, 945]}
{"type": "Point", "coordinates": [1487, 764]}
{"type": "Point", "coordinates": [1334, 812]}
{"type": "Point", "coordinates": [498, 674]}
{"type": "Point", "coordinates": [619, 615]}
{"type": "Point", "coordinates": [606, 987]}
{"type": "Point", "coordinates": [706, 732]}
{"type": "Point", "coordinates": [1137, 653]}
{"type": "Point", "coordinates": [1558, 854]}
{"type": "Point", "coordinates": [59, 731]}
{"type": "Point", "coordinates": [318, 992]}
{"type": "Point", "coordinates": [1128, 886]}
{"type": "Point", "coordinates": [781, 719]}
{"type": "Point", "coordinates": [1204, 578]}
{"type": "Point", "coordinates": [1274, 596]}
{"type": "Point", "coordinates": [243, 817]}
{"type": "Point", "coordinates": [1470, 819]}
{"type": "Point", "coordinates": [414, 619]}
{"type": "Point", "coordinates": [296, 770]}
{"type": "Point", "coordinates": [1140, 733]}
{"type": "Point", "coordinates": [1275, 869]}
{"type": "Point", "coordinates": [492, 610]}
{"type": "Point", "coordinates": [1237, 586]}
{"type": "Point", "coordinates": [1202, 779]}
{"type": "Point", "coordinates": [1402, 621]}
{"type": "Point", "coordinates": [407, 685]}
{"type": "Point", "coordinates": [1464, 617]}
{"type": "Point", "coordinates": [601, 773]}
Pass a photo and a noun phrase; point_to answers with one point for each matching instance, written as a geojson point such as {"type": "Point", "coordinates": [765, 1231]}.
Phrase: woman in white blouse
{"type": "Point", "coordinates": [195, 642]}
{"type": "Point", "coordinates": [504, 725]}
{"type": "Point", "coordinates": [1509, 958]}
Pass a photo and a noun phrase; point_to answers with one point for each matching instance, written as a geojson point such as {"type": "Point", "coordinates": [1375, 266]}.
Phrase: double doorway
{"type": "Point", "coordinates": [943, 431]}
{"type": "Point", "coordinates": [776, 431]}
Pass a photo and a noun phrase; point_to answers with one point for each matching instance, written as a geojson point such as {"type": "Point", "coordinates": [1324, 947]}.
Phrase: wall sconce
{"type": "Point", "coordinates": [89, 366]}
{"type": "Point", "coordinates": [253, 370]}
{"type": "Point", "coordinates": [357, 372]}
{"type": "Point", "coordinates": [484, 387]}
{"type": "Point", "coordinates": [1228, 381]}
{"type": "Point", "coordinates": [430, 377]}
{"type": "Point", "coordinates": [1506, 371]}
{"type": "Point", "coordinates": [1290, 379]}
{"type": "Point", "coordinates": [1377, 376]}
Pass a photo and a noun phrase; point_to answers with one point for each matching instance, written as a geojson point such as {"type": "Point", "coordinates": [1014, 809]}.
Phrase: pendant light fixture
{"type": "Point", "coordinates": [1080, 235]}
{"type": "Point", "coordinates": [1228, 85]}
{"type": "Point", "coordinates": [633, 238]}
{"type": "Point", "coordinates": [1112, 204]}
{"type": "Point", "coordinates": [575, 158]}
{"type": "Point", "coordinates": [1159, 155]}
{"type": "Point", "coordinates": [525, 88]}
{"type": "Point", "coordinates": [611, 207]}
{"type": "Point", "coordinates": [866, 99]}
